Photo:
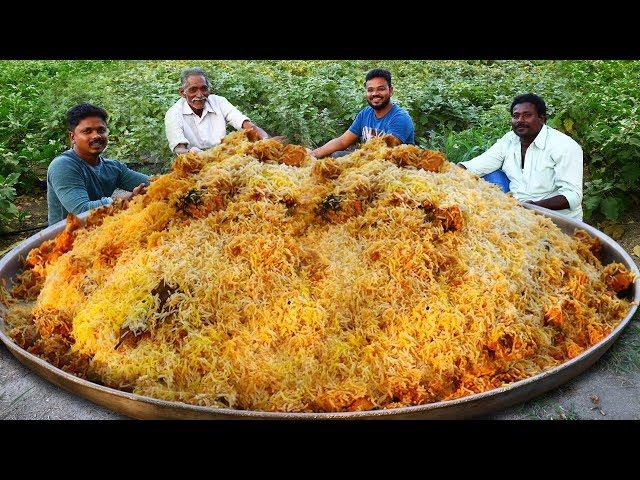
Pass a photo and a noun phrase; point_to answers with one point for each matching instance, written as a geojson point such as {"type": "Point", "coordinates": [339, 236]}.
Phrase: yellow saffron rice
{"type": "Point", "coordinates": [253, 276]}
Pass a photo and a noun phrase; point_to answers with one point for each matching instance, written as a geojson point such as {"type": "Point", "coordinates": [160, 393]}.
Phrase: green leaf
{"type": "Point", "coordinates": [610, 208]}
{"type": "Point", "coordinates": [631, 172]}
{"type": "Point", "coordinates": [591, 202]}
{"type": "Point", "coordinates": [12, 178]}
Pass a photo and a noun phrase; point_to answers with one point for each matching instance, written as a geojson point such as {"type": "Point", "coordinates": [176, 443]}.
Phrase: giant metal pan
{"type": "Point", "coordinates": [138, 406]}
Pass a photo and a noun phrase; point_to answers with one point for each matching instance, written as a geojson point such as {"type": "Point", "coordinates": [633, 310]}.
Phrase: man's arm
{"type": "Point", "coordinates": [568, 170]}
{"type": "Point", "coordinates": [130, 179]}
{"type": "Point", "coordinates": [487, 162]}
{"type": "Point", "coordinates": [174, 130]}
{"type": "Point", "coordinates": [559, 202]}
{"type": "Point", "coordinates": [70, 188]}
{"type": "Point", "coordinates": [343, 142]}
{"type": "Point", "coordinates": [135, 183]}
{"type": "Point", "coordinates": [237, 119]}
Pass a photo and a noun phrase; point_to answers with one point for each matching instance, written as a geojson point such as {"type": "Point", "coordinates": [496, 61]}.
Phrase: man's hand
{"type": "Point", "coordinates": [139, 190]}
{"type": "Point", "coordinates": [310, 152]}
{"type": "Point", "coordinates": [281, 138]}
{"type": "Point", "coordinates": [254, 131]}
{"type": "Point", "coordinates": [182, 148]}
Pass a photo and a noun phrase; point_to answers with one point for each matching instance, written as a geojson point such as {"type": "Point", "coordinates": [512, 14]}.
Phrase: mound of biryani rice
{"type": "Point", "coordinates": [253, 276]}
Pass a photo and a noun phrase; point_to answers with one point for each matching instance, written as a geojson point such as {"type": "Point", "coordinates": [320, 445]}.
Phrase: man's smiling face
{"type": "Point", "coordinates": [195, 92]}
{"type": "Point", "coordinates": [525, 120]}
{"type": "Point", "coordinates": [90, 137]}
{"type": "Point", "coordinates": [378, 93]}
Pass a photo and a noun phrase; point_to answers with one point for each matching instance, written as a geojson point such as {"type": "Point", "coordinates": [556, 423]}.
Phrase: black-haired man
{"type": "Point", "coordinates": [544, 166]}
{"type": "Point", "coordinates": [80, 179]}
{"type": "Point", "coordinates": [381, 117]}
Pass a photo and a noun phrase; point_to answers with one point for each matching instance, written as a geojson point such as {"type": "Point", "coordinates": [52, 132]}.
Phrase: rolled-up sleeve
{"type": "Point", "coordinates": [489, 161]}
{"type": "Point", "coordinates": [568, 169]}
{"type": "Point", "coordinates": [174, 127]}
{"type": "Point", "coordinates": [231, 114]}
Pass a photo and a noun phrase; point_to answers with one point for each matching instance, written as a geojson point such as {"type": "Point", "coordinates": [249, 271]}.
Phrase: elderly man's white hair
{"type": "Point", "coordinates": [190, 72]}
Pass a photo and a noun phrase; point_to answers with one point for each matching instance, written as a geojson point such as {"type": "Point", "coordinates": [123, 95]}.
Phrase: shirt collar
{"type": "Point", "coordinates": [541, 138]}
{"type": "Point", "coordinates": [186, 109]}
{"type": "Point", "coordinates": [393, 106]}
{"type": "Point", "coordinates": [540, 141]}
{"type": "Point", "coordinates": [75, 155]}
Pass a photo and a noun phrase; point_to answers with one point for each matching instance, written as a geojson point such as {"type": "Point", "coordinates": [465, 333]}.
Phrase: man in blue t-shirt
{"type": "Point", "coordinates": [381, 117]}
{"type": "Point", "coordinates": [80, 178]}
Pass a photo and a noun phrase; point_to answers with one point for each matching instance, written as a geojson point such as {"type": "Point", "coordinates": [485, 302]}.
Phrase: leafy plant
{"type": "Point", "coordinates": [8, 211]}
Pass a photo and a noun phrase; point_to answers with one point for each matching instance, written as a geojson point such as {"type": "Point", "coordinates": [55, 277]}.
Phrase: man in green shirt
{"type": "Point", "coordinates": [80, 179]}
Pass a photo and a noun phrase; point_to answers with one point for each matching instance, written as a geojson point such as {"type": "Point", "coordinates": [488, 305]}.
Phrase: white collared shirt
{"type": "Point", "coordinates": [182, 125]}
{"type": "Point", "coordinates": [552, 166]}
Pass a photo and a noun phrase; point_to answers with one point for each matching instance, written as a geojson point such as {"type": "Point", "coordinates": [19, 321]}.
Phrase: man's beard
{"type": "Point", "coordinates": [381, 106]}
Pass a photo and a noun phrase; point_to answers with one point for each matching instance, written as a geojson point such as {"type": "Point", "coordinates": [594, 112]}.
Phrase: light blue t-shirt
{"type": "Point", "coordinates": [74, 186]}
{"type": "Point", "coordinates": [396, 122]}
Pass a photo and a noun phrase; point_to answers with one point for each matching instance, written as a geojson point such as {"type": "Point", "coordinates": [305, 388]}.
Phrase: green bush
{"type": "Point", "coordinates": [603, 116]}
{"type": "Point", "coordinates": [8, 211]}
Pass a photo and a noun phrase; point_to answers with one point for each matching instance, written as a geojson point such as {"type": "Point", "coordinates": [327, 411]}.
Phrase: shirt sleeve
{"type": "Point", "coordinates": [70, 188]}
{"type": "Point", "coordinates": [489, 161]}
{"type": "Point", "coordinates": [130, 179]}
{"type": "Point", "coordinates": [231, 114]}
{"type": "Point", "coordinates": [401, 127]}
{"type": "Point", "coordinates": [356, 126]}
{"type": "Point", "coordinates": [174, 127]}
{"type": "Point", "coordinates": [568, 168]}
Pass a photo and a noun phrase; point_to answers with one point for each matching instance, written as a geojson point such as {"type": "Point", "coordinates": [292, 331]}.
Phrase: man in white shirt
{"type": "Point", "coordinates": [199, 120]}
{"type": "Point", "coordinates": [543, 165]}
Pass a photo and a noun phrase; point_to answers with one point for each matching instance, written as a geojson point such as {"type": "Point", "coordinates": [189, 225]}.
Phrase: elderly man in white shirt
{"type": "Point", "coordinates": [543, 165]}
{"type": "Point", "coordinates": [199, 120]}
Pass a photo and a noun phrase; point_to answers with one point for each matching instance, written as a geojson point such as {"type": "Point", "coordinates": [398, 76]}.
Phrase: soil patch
{"type": "Point", "coordinates": [34, 209]}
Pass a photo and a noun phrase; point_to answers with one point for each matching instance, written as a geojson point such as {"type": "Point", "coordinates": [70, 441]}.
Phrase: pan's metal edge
{"type": "Point", "coordinates": [138, 406]}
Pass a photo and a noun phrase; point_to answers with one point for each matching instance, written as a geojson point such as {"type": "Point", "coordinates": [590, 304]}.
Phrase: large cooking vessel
{"type": "Point", "coordinates": [138, 406]}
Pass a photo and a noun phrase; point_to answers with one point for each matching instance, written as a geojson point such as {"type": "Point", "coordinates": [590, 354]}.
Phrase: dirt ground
{"type": "Point", "coordinates": [35, 208]}
{"type": "Point", "coordinates": [610, 389]}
